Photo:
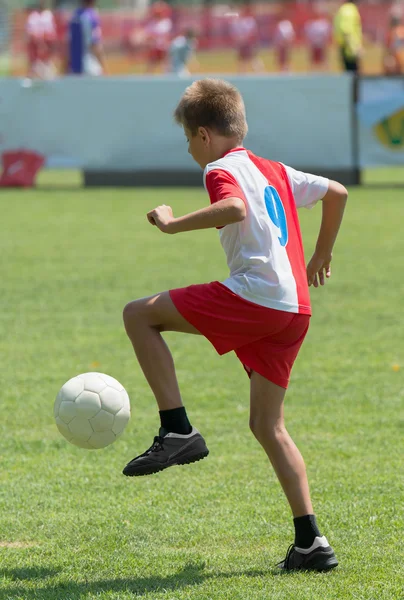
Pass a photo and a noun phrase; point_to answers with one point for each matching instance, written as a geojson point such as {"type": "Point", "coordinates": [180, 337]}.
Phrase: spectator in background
{"type": "Point", "coordinates": [283, 42]}
{"type": "Point", "coordinates": [158, 36]}
{"type": "Point", "coordinates": [348, 35]}
{"type": "Point", "coordinates": [40, 30]}
{"type": "Point", "coordinates": [85, 54]}
{"type": "Point", "coordinates": [394, 56]}
{"type": "Point", "coordinates": [317, 33]}
{"type": "Point", "coordinates": [245, 37]}
{"type": "Point", "coordinates": [180, 52]}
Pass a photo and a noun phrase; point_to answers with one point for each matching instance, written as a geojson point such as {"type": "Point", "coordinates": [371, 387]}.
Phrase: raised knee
{"type": "Point", "coordinates": [131, 313]}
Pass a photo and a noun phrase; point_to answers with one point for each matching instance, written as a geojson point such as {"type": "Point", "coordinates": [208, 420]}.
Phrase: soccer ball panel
{"type": "Point", "coordinates": [81, 429]}
{"type": "Point", "coordinates": [71, 390]}
{"type": "Point", "coordinates": [111, 400]}
{"type": "Point", "coordinates": [100, 439]}
{"type": "Point", "coordinates": [88, 404]}
{"type": "Point", "coordinates": [120, 421]}
{"type": "Point", "coordinates": [64, 429]}
{"type": "Point", "coordinates": [111, 381]}
{"type": "Point", "coordinates": [67, 411]}
{"type": "Point", "coordinates": [68, 393]}
{"type": "Point", "coordinates": [82, 444]}
{"type": "Point", "coordinates": [93, 382]}
{"type": "Point", "coordinates": [103, 421]}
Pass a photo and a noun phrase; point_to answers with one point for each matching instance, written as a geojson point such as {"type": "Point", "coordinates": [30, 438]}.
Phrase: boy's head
{"type": "Point", "coordinates": [190, 34]}
{"type": "Point", "coordinates": [212, 113]}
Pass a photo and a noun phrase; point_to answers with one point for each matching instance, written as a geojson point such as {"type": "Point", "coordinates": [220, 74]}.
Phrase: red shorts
{"type": "Point", "coordinates": [318, 55]}
{"type": "Point", "coordinates": [265, 340]}
{"type": "Point", "coordinates": [157, 55]}
{"type": "Point", "coordinates": [247, 51]}
{"type": "Point", "coordinates": [283, 55]}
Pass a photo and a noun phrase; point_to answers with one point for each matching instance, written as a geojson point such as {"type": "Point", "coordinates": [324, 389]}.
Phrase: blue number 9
{"type": "Point", "coordinates": [276, 212]}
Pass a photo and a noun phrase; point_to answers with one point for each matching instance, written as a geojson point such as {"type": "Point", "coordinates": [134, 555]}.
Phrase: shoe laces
{"type": "Point", "coordinates": [287, 557]}
{"type": "Point", "coordinates": [156, 446]}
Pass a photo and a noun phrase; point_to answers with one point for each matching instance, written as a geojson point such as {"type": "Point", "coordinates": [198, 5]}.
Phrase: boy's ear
{"type": "Point", "coordinates": [204, 135]}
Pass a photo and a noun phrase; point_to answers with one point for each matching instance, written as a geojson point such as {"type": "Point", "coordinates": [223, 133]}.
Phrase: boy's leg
{"type": "Point", "coordinates": [178, 442]}
{"type": "Point", "coordinates": [310, 550]}
{"type": "Point", "coordinates": [267, 424]}
{"type": "Point", "coordinates": [144, 321]}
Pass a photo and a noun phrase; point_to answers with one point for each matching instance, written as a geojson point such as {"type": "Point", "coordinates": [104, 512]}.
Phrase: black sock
{"type": "Point", "coordinates": [305, 531]}
{"type": "Point", "coordinates": [175, 420]}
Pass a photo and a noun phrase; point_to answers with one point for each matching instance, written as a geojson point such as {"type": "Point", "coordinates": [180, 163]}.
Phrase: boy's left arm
{"type": "Point", "coordinates": [221, 213]}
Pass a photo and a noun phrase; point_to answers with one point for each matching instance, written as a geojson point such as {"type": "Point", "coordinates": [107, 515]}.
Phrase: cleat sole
{"type": "Point", "coordinates": [185, 461]}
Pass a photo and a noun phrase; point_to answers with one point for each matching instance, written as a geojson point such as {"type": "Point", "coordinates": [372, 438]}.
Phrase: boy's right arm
{"type": "Point", "coordinates": [334, 203]}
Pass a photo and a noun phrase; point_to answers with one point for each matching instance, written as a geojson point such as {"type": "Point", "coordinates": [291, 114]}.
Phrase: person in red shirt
{"type": "Point", "coordinates": [245, 37]}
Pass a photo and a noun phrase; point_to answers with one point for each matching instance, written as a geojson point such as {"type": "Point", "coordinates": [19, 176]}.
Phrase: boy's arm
{"type": "Point", "coordinates": [221, 213]}
{"type": "Point", "coordinates": [334, 203]}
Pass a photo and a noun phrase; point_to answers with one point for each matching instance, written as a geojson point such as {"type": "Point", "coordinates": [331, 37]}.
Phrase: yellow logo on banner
{"type": "Point", "coordinates": [390, 131]}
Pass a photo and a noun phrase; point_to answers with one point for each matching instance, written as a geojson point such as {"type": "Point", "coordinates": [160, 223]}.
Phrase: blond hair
{"type": "Point", "coordinates": [215, 104]}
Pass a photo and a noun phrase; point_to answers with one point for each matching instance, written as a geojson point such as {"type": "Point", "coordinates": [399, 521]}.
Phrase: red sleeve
{"type": "Point", "coordinates": [221, 185]}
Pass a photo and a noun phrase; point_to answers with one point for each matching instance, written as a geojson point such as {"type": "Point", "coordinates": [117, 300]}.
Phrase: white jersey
{"type": "Point", "coordinates": [318, 32]}
{"type": "Point", "coordinates": [284, 33]}
{"type": "Point", "coordinates": [265, 251]}
{"type": "Point", "coordinates": [244, 29]}
{"type": "Point", "coordinates": [160, 33]}
{"type": "Point", "coordinates": [41, 25]}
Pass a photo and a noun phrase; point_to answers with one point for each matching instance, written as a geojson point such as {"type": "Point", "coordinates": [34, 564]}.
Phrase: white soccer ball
{"type": "Point", "coordinates": [92, 410]}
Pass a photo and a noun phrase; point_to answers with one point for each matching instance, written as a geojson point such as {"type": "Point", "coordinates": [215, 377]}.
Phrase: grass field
{"type": "Point", "coordinates": [72, 527]}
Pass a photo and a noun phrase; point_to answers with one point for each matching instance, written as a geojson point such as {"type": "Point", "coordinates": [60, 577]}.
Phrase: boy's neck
{"type": "Point", "coordinates": [222, 146]}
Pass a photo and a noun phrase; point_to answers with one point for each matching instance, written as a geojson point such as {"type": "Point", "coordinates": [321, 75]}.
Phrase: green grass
{"type": "Point", "coordinates": [72, 527]}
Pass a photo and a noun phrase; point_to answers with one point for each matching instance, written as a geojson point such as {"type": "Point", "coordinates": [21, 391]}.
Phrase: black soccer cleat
{"type": "Point", "coordinates": [319, 557]}
{"type": "Point", "coordinates": [168, 449]}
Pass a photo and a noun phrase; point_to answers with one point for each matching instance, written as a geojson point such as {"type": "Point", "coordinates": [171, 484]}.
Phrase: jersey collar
{"type": "Point", "coordinates": [233, 150]}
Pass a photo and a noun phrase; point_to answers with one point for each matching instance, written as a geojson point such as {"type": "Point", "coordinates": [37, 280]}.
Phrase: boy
{"type": "Point", "coordinates": [244, 34]}
{"type": "Point", "coordinates": [85, 48]}
{"type": "Point", "coordinates": [261, 311]}
{"type": "Point", "coordinates": [158, 35]}
{"type": "Point", "coordinates": [40, 31]}
{"type": "Point", "coordinates": [284, 38]}
{"type": "Point", "coordinates": [317, 33]}
{"type": "Point", "coordinates": [180, 52]}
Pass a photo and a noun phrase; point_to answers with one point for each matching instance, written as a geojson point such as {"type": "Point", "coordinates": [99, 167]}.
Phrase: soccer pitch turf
{"type": "Point", "coordinates": [72, 527]}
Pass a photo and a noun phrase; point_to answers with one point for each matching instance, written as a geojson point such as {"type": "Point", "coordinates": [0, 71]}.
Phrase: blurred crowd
{"type": "Point", "coordinates": [75, 45]}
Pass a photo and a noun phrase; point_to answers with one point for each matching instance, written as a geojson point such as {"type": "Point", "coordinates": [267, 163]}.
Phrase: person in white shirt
{"type": "Point", "coordinates": [244, 34]}
{"type": "Point", "coordinates": [261, 311]}
{"type": "Point", "coordinates": [40, 32]}
{"type": "Point", "coordinates": [157, 33]}
{"type": "Point", "coordinates": [283, 41]}
{"type": "Point", "coordinates": [318, 33]}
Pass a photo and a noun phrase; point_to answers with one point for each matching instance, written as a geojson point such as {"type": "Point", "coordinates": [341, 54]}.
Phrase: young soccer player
{"type": "Point", "coordinates": [261, 311]}
{"type": "Point", "coordinates": [181, 51]}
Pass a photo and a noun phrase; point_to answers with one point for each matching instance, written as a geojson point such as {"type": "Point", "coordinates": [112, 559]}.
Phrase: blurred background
{"type": "Point", "coordinates": [266, 36]}
{"type": "Point", "coordinates": [91, 85]}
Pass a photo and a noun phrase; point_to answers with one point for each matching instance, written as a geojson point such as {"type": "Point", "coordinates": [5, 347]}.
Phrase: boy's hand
{"type": "Point", "coordinates": [162, 217]}
{"type": "Point", "coordinates": [318, 269]}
